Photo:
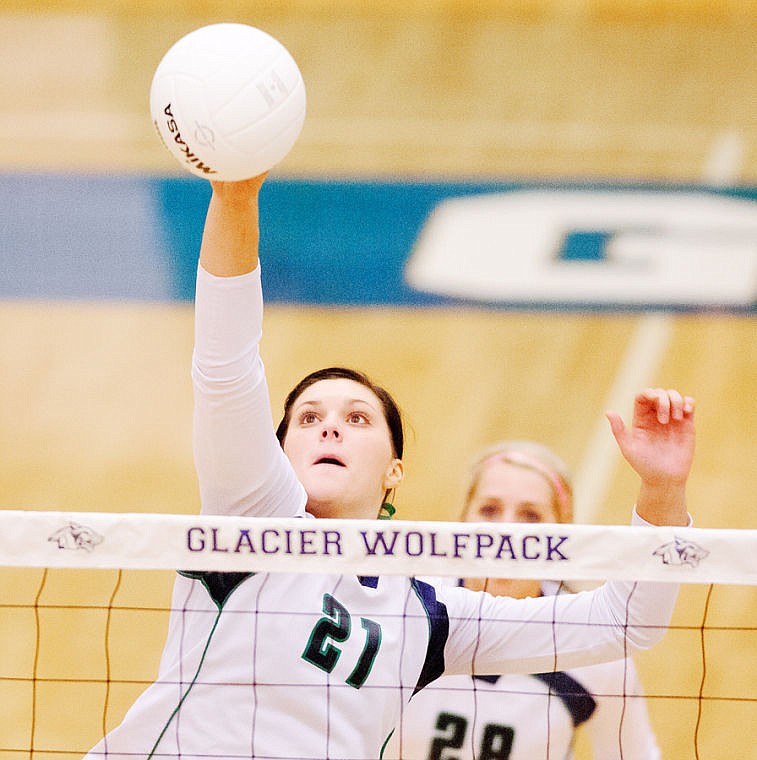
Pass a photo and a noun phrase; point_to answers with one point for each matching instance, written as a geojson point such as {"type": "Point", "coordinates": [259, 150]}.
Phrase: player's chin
{"type": "Point", "coordinates": [338, 504]}
{"type": "Point", "coordinates": [325, 507]}
{"type": "Point", "coordinates": [325, 497]}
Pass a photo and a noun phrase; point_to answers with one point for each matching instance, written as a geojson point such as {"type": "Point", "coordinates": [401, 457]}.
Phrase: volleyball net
{"type": "Point", "coordinates": [85, 599]}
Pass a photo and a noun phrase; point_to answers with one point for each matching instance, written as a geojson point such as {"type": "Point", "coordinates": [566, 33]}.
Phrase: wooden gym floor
{"type": "Point", "coordinates": [650, 91]}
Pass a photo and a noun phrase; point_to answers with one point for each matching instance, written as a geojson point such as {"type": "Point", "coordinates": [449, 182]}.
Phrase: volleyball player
{"type": "Point", "coordinates": [525, 717]}
{"type": "Point", "coordinates": [284, 665]}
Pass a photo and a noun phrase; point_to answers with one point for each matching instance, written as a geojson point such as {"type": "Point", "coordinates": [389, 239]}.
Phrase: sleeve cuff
{"type": "Point", "coordinates": [636, 520]}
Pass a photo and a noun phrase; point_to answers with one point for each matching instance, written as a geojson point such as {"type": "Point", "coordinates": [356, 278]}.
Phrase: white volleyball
{"type": "Point", "coordinates": [228, 101]}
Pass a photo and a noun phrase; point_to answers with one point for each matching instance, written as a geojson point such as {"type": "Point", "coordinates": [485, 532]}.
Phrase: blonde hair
{"type": "Point", "coordinates": [532, 456]}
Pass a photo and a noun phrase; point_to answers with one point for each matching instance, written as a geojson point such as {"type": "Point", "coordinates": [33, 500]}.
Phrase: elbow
{"type": "Point", "coordinates": [642, 612]}
{"type": "Point", "coordinates": [641, 637]}
{"type": "Point", "coordinates": [214, 371]}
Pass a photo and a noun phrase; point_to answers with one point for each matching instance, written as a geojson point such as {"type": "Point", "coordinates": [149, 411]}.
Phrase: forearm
{"type": "Point", "coordinates": [560, 632]}
{"type": "Point", "coordinates": [231, 235]}
{"type": "Point", "coordinates": [663, 504]}
{"type": "Point", "coordinates": [573, 630]}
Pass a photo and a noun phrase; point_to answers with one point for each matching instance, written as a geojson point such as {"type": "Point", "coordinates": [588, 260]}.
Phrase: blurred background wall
{"type": "Point", "coordinates": [96, 402]}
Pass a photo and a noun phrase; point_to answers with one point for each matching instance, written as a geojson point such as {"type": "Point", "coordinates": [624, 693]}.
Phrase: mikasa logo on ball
{"type": "Point", "coordinates": [190, 157]}
{"type": "Point", "coordinates": [204, 135]}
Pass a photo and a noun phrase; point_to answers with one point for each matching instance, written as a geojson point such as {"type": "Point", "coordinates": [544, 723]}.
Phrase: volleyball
{"type": "Point", "coordinates": [228, 101]}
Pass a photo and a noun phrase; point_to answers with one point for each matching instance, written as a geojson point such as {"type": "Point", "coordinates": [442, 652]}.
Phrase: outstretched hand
{"type": "Point", "coordinates": [659, 445]}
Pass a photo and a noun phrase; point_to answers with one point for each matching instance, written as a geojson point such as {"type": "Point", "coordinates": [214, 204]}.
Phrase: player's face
{"type": "Point", "coordinates": [339, 444]}
{"type": "Point", "coordinates": [509, 493]}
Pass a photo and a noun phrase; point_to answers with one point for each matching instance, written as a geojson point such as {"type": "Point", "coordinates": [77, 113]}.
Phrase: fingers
{"type": "Point", "coordinates": [664, 404]}
{"type": "Point", "coordinates": [668, 404]}
{"type": "Point", "coordinates": [616, 424]}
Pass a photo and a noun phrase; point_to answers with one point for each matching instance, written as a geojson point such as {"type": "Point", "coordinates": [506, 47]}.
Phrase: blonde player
{"type": "Point", "coordinates": [287, 665]}
{"type": "Point", "coordinates": [525, 717]}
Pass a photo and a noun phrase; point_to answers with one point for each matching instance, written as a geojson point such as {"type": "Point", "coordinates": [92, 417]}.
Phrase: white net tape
{"type": "Point", "coordinates": [85, 599]}
{"type": "Point", "coordinates": [371, 547]}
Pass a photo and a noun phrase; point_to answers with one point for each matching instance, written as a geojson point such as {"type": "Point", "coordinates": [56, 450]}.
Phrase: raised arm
{"type": "Point", "coordinates": [241, 468]}
{"type": "Point", "coordinates": [659, 446]}
{"type": "Point", "coordinates": [574, 630]}
{"type": "Point", "coordinates": [231, 235]}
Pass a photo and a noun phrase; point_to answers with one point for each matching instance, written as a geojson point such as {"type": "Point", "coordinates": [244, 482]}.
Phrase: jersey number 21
{"type": "Point", "coordinates": [336, 626]}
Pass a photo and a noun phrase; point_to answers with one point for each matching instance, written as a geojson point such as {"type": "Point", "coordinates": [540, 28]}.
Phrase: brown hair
{"type": "Point", "coordinates": [392, 412]}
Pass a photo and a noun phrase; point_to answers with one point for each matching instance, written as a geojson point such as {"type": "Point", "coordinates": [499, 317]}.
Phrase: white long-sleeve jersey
{"type": "Point", "coordinates": [528, 717]}
{"type": "Point", "coordinates": [305, 666]}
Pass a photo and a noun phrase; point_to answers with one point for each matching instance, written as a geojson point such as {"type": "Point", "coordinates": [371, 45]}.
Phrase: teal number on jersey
{"type": "Point", "coordinates": [370, 650]}
{"type": "Point", "coordinates": [336, 627]}
{"type": "Point", "coordinates": [496, 744]}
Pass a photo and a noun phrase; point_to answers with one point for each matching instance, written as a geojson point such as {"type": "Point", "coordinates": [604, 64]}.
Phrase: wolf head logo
{"type": "Point", "coordinates": [75, 536]}
{"type": "Point", "coordinates": [680, 552]}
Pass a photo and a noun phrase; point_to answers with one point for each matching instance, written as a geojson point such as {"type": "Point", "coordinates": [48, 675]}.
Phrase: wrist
{"type": "Point", "coordinates": [243, 192]}
{"type": "Point", "coordinates": [663, 503]}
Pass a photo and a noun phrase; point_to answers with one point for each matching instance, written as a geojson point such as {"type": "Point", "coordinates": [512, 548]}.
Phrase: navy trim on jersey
{"type": "Point", "coordinates": [488, 679]}
{"type": "Point", "coordinates": [438, 621]}
{"type": "Point", "coordinates": [219, 585]}
{"type": "Point", "coordinates": [578, 702]}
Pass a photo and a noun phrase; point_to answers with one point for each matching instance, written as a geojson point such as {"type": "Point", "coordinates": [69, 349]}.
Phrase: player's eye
{"type": "Point", "coordinates": [308, 418]}
{"type": "Point", "coordinates": [529, 513]}
{"type": "Point", "coordinates": [488, 511]}
{"type": "Point", "coordinates": [358, 418]}
{"type": "Point", "coordinates": [529, 516]}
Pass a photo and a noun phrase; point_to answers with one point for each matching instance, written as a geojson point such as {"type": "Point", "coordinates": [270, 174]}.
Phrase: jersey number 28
{"type": "Point", "coordinates": [496, 742]}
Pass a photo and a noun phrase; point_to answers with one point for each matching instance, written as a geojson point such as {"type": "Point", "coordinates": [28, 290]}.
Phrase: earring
{"type": "Point", "coordinates": [387, 511]}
